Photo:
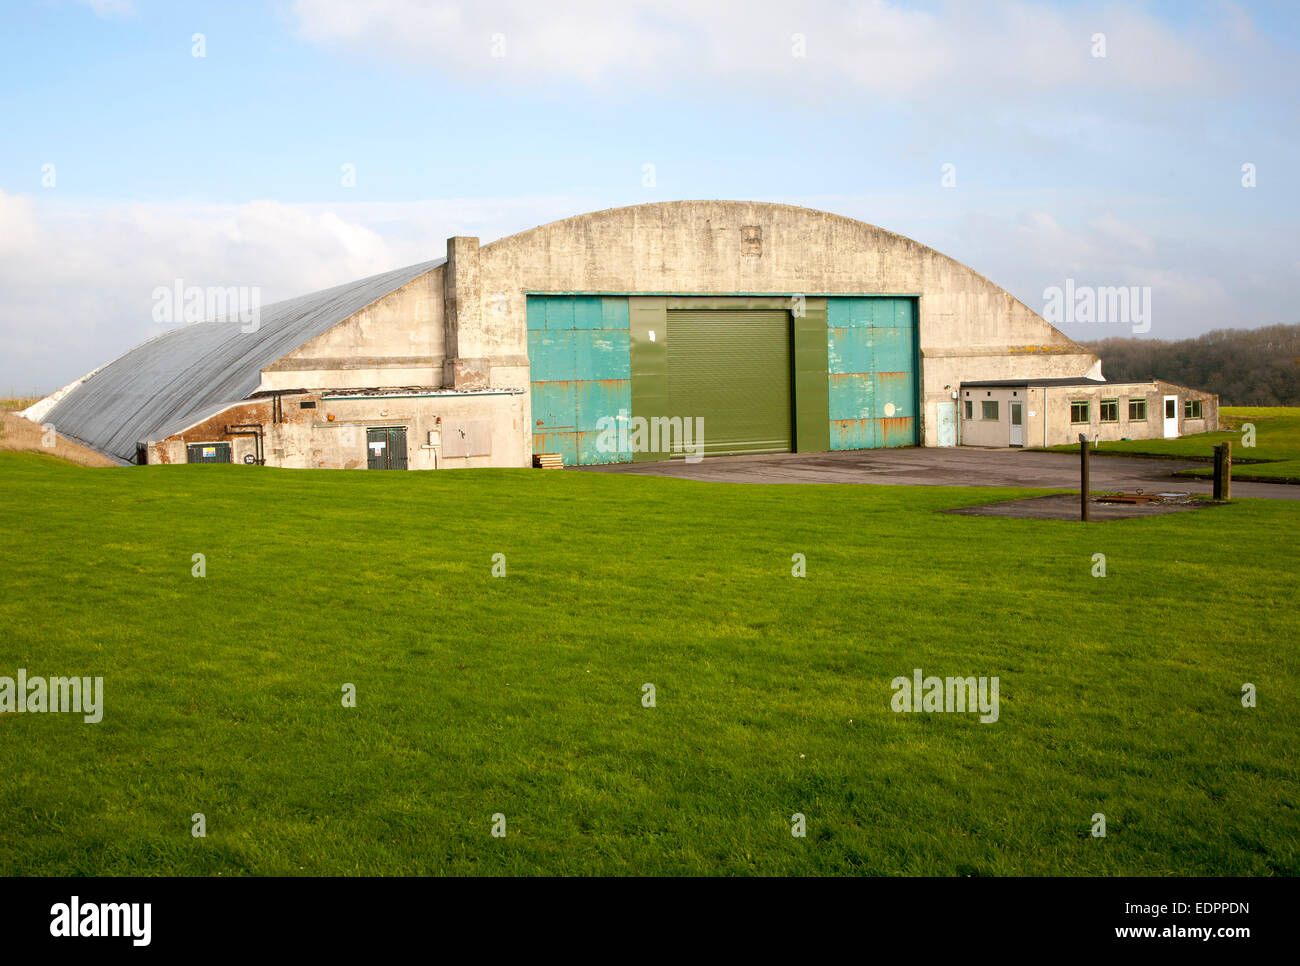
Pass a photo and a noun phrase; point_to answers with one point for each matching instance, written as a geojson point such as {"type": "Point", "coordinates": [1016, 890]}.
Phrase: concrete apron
{"type": "Point", "coordinates": [949, 467]}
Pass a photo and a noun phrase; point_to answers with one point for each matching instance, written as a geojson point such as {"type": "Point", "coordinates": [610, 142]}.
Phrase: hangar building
{"type": "Point", "coordinates": [640, 333]}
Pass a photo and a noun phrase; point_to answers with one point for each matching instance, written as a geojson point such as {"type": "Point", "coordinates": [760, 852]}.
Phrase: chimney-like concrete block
{"type": "Point", "coordinates": [463, 316]}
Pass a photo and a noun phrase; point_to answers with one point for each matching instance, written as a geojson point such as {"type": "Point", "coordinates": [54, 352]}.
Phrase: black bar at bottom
{"type": "Point", "coordinates": [924, 918]}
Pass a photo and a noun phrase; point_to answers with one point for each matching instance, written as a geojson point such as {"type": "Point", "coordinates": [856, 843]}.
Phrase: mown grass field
{"type": "Point", "coordinates": [1275, 457]}
{"type": "Point", "coordinates": [521, 694]}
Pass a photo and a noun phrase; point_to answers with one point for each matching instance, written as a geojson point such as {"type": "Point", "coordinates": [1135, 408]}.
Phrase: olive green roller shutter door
{"type": "Point", "coordinates": [732, 368]}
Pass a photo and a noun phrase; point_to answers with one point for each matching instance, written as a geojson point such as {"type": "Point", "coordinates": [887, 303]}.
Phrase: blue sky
{"type": "Point", "coordinates": [226, 169]}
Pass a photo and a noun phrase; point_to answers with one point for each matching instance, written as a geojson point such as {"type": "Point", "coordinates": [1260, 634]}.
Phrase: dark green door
{"type": "Point", "coordinates": [207, 453]}
{"type": "Point", "coordinates": [386, 448]}
{"type": "Point", "coordinates": [732, 367]}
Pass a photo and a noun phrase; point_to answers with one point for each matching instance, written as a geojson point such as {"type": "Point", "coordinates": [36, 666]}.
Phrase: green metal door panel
{"type": "Point", "coordinates": [852, 395]}
{"type": "Point", "coordinates": [895, 394]}
{"type": "Point", "coordinates": [587, 312]}
{"type": "Point", "coordinates": [811, 400]}
{"type": "Point", "coordinates": [554, 407]}
{"type": "Point", "coordinates": [808, 337]}
{"type": "Point", "coordinates": [893, 349]}
{"type": "Point", "coordinates": [535, 310]}
{"type": "Point", "coordinates": [851, 349]}
{"type": "Point", "coordinates": [600, 400]}
{"type": "Point", "coordinates": [732, 368]}
{"type": "Point", "coordinates": [376, 449]}
{"type": "Point", "coordinates": [397, 447]}
{"type": "Point", "coordinates": [386, 448]}
{"type": "Point", "coordinates": [207, 453]}
{"type": "Point", "coordinates": [845, 312]}
{"type": "Point", "coordinates": [551, 355]}
{"type": "Point", "coordinates": [566, 444]}
{"type": "Point", "coordinates": [613, 313]}
{"type": "Point", "coordinates": [559, 313]}
{"type": "Point", "coordinates": [811, 412]}
{"type": "Point", "coordinates": [896, 431]}
{"type": "Point", "coordinates": [872, 362]}
{"type": "Point", "coordinates": [598, 447]}
{"type": "Point", "coordinates": [601, 354]}
{"type": "Point", "coordinates": [617, 352]}
{"type": "Point", "coordinates": [580, 372]}
{"type": "Point", "coordinates": [647, 331]}
{"type": "Point", "coordinates": [853, 434]}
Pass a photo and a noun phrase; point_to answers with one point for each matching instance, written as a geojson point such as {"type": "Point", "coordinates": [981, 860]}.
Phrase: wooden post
{"type": "Point", "coordinates": [1084, 482]}
{"type": "Point", "coordinates": [1218, 473]}
{"type": "Point", "coordinates": [1227, 470]}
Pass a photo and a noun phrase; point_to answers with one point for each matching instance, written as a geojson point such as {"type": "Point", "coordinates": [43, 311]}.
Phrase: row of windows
{"type": "Point", "coordinates": [1081, 410]}
{"type": "Point", "coordinates": [988, 409]}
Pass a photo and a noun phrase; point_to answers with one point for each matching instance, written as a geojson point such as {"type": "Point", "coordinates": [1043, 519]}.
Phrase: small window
{"type": "Point", "coordinates": [1079, 411]}
{"type": "Point", "coordinates": [970, 409]}
{"type": "Point", "coordinates": [990, 409]}
{"type": "Point", "coordinates": [1192, 409]}
{"type": "Point", "coordinates": [1171, 408]}
{"type": "Point", "coordinates": [1110, 410]}
{"type": "Point", "coordinates": [207, 453]}
{"type": "Point", "coordinates": [1137, 410]}
{"type": "Point", "coordinates": [307, 404]}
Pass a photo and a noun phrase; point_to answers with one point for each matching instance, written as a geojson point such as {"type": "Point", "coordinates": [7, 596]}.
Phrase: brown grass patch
{"type": "Point", "coordinates": [17, 433]}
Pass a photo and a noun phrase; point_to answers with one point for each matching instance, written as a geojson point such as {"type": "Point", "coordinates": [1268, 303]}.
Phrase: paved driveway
{"type": "Point", "coordinates": [947, 467]}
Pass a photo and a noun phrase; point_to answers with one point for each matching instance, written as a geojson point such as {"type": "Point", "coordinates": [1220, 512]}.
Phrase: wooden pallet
{"type": "Point", "coordinates": [548, 461]}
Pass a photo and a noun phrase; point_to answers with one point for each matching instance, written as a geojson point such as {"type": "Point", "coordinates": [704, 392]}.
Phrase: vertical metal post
{"type": "Point", "coordinates": [1084, 481]}
{"type": "Point", "coordinates": [1218, 473]}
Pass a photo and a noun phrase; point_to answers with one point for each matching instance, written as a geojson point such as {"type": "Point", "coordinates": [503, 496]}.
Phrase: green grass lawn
{"type": "Point", "coordinates": [1275, 457]}
{"type": "Point", "coordinates": [521, 695]}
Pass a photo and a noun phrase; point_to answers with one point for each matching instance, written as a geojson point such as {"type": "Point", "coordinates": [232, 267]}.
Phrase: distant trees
{"type": "Point", "coordinates": [1245, 367]}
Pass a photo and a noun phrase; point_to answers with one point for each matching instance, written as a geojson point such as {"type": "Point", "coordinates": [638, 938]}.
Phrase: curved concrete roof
{"type": "Point", "coordinates": [629, 215]}
{"type": "Point", "coordinates": [803, 249]}
{"type": "Point", "coordinates": [186, 375]}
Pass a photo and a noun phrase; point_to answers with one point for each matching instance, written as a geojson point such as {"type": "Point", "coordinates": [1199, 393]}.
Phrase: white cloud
{"type": "Point", "coordinates": [110, 8]}
{"type": "Point", "coordinates": [1017, 50]}
{"type": "Point", "coordinates": [76, 281]}
{"type": "Point", "coordinates": [1210, 279]}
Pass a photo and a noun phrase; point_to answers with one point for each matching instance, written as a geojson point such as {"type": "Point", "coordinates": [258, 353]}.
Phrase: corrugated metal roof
{"type": "Point", "coordinates": [186, 375]}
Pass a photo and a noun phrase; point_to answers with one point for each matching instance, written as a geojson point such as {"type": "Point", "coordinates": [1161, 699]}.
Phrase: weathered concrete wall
{"type": "Point", "coordinates": [213, 430]}
{"type": "Point", "coordinates": [1209, 421]}
{"type": "Point", "coordinates": [473, 430]}
{"type": "Point", "coordinates": [1059, 428]}
{"type": "Point", "coordinates": [969, 327]}
{"type": "Point", "coordinates": [400, 340]}
{"type": "Point", "coordinates": [978, 431]}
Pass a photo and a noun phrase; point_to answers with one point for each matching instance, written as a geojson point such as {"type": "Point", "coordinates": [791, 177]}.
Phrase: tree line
{"type": "Point", "coordinates": [1245, 367]}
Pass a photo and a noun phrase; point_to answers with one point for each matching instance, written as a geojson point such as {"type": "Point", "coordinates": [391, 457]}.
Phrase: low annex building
{"type": "Point", "coordinates": [641, 333]}
{"type": "Point", "coordinates": [1050, 412]}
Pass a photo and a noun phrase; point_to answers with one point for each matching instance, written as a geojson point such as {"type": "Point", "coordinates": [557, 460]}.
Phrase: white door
{"type": "Point", "coordinates": [1171, 417]}
{"type": "Point", "coordinates": [1017, 424]}
{"type": "Point", "coordinates": [947, 424]}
